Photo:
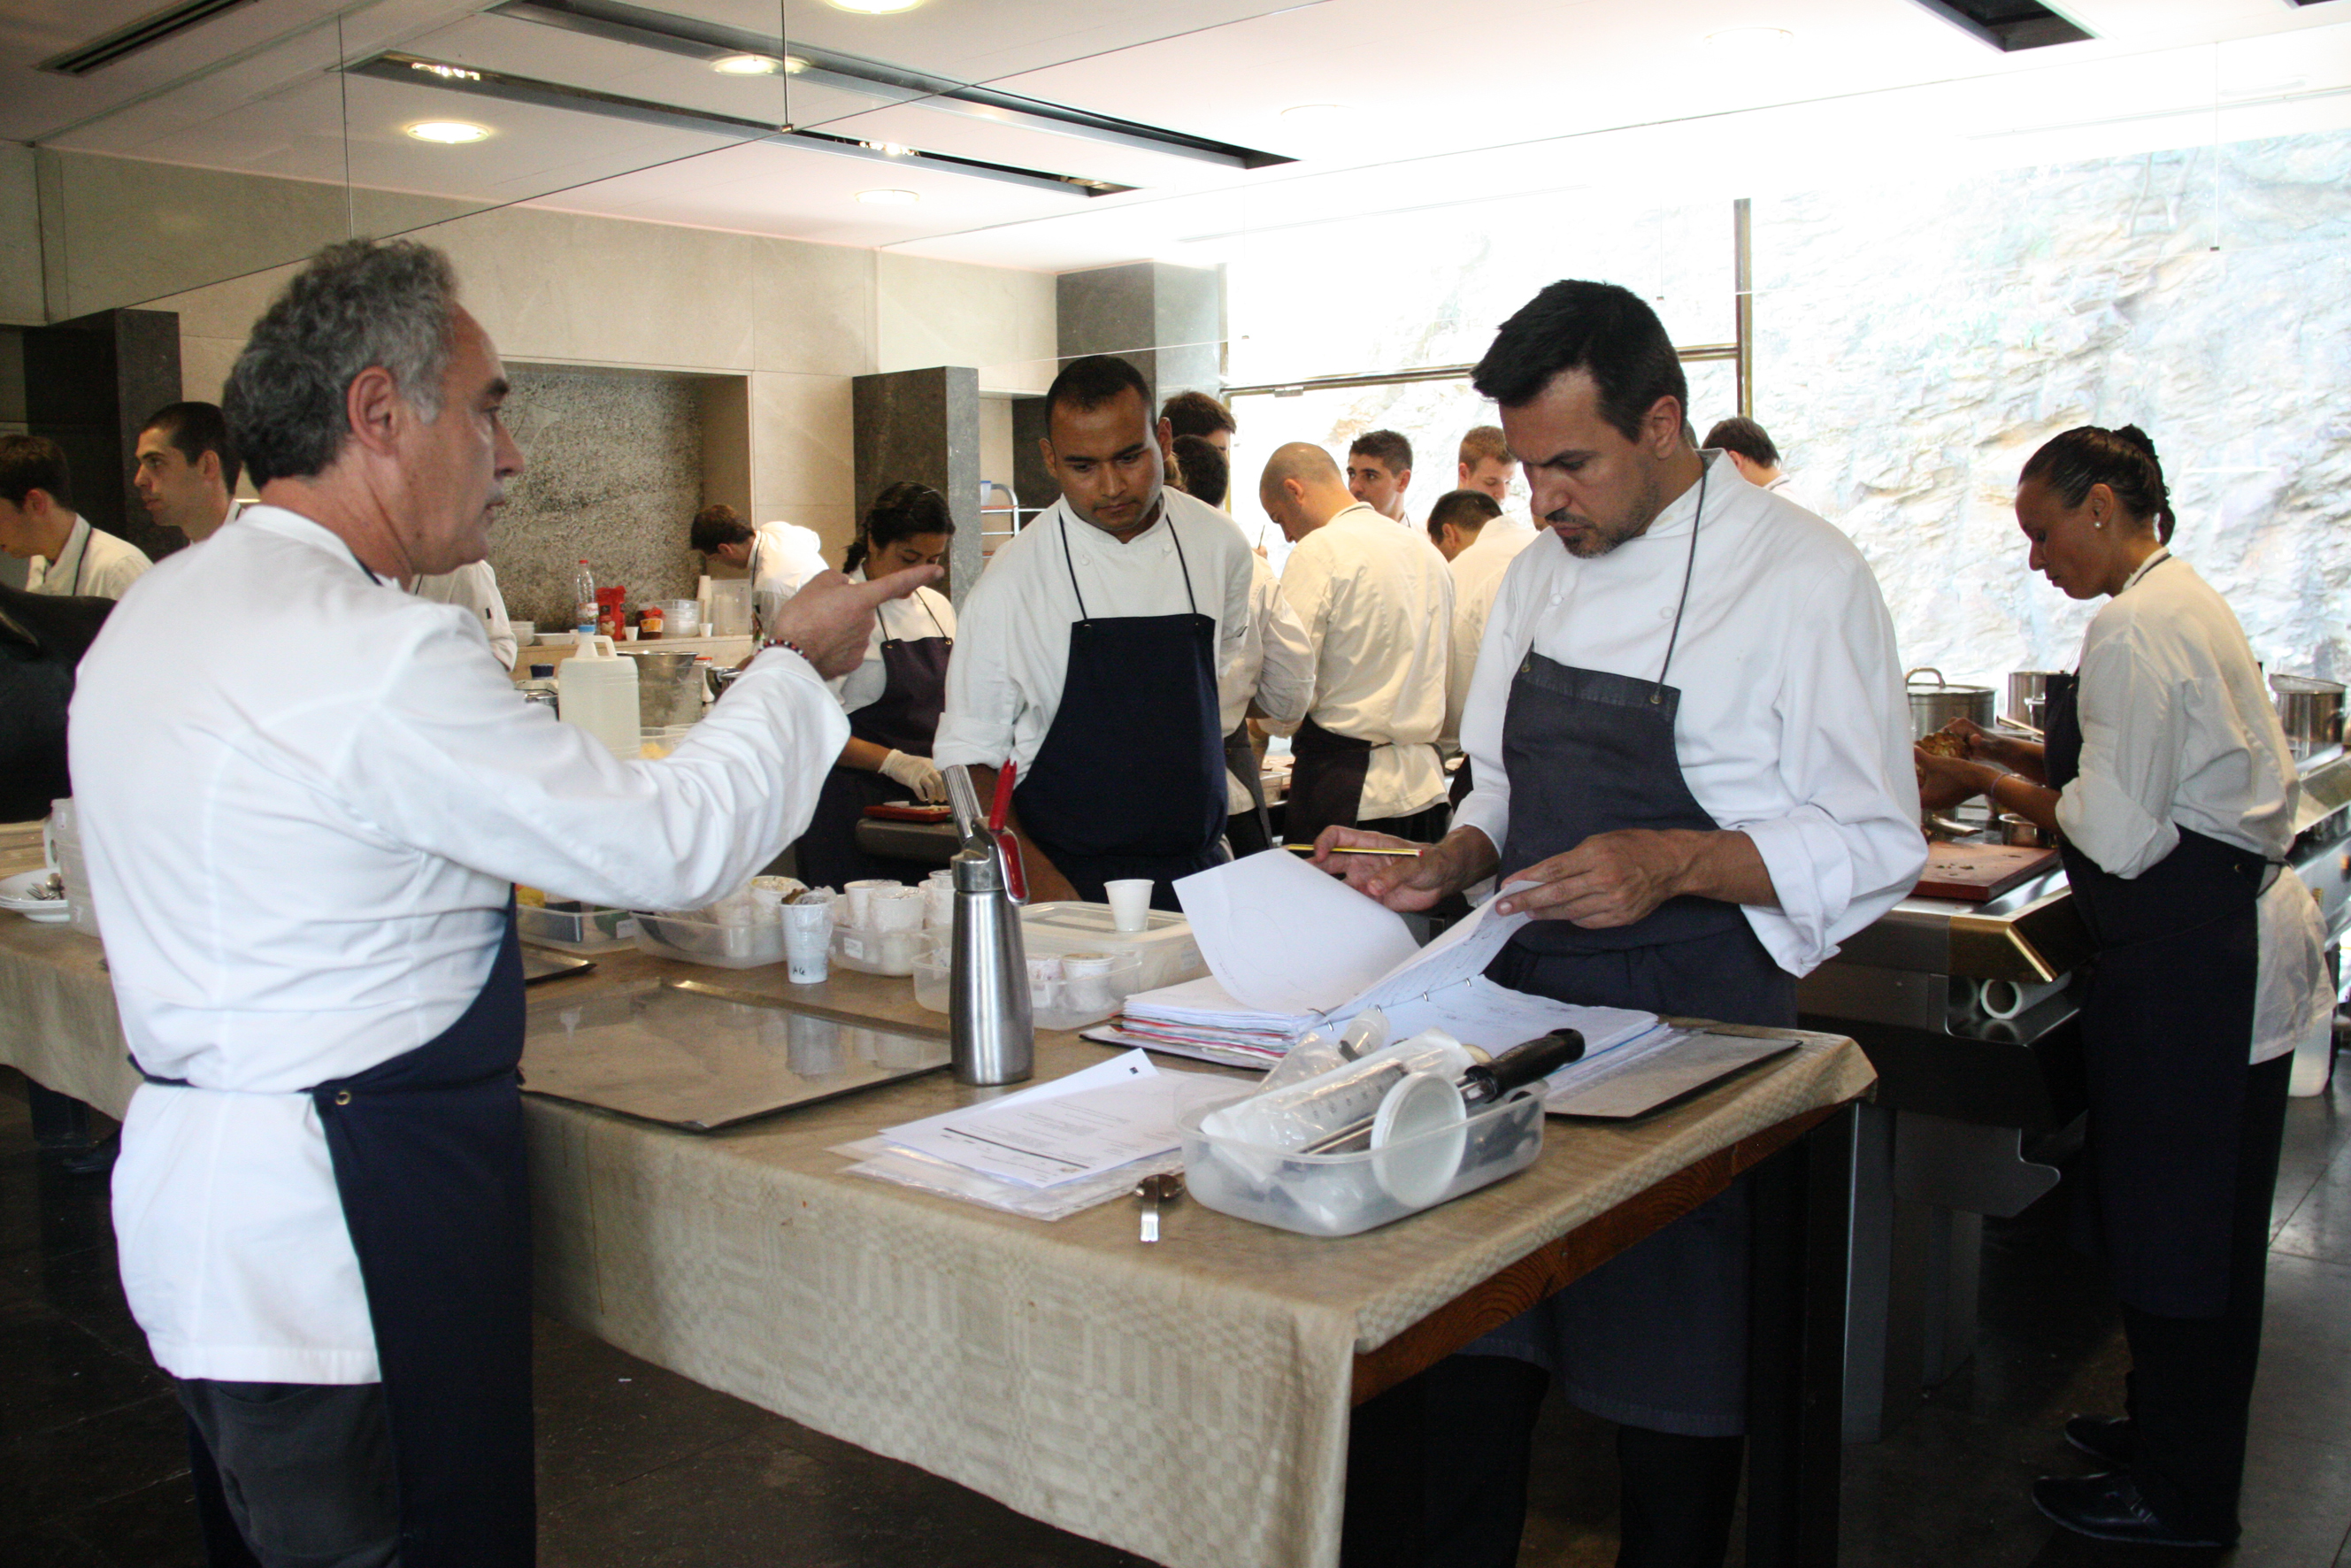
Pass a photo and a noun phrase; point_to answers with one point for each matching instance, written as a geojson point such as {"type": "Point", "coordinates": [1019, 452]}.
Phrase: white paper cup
{"type": "Point", "coordinates": [1086, 982]}
{"type": "Point", "coordinates": [939, 906]}
{"type": "Point", "coordinates": [1130, 903]}
{"type": "Point", "coordinates": [859, 896]}
{"type": "Point", "coordinates": [808, 936]}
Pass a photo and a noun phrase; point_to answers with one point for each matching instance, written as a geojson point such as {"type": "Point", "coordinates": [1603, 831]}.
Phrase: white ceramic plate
{"type": "Point", "coordinates": [15, 892]}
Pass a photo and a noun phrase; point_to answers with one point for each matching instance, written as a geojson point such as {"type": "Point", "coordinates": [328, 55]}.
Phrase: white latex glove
{"type": "Point", "coordinates": [916, 773]}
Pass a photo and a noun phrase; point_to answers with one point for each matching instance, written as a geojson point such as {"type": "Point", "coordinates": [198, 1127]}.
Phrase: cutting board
{"type": "Point", "coordinates": [1976, 873]}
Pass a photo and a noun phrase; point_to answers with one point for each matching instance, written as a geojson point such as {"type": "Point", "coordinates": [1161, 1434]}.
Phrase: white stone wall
{"type": "Point", "coordinates": [1917, 342]}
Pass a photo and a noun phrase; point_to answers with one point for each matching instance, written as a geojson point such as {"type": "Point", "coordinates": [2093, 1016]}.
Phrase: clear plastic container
{"type": "Point", "coordinates": [880, 952]}
{"type": "Point", "coordinates": [1066, 1003]}
{"type": "Point", "coordinates": [575, 927]}
{"type": "Point", "coordinates": [1341, 1193]}
{"type": "Point", "coordinates": [699, 941]}
{"type": "Point", "coordinates": [1168, 952]}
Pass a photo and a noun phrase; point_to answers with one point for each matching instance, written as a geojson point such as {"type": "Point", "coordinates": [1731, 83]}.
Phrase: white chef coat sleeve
{"type": "Point", "coordinates": [1851, 847]}
{"type": "Point", "coordinates": [1285, 680]}
{"type": "Point", "coordinates": [454, 763]}
{"type": "Point", "coordinates": [1509, 634]}
{"type": "Point", "coordinates": [2119, 810]}
{"type": "Point", "coordinates": [983, 695]}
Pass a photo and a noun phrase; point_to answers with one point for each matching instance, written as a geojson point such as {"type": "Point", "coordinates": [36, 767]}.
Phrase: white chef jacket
{"type": "Point", "coordinates": [1792, 727]}
{"type": "Point", "coordinates": [2178, 731]}
{"type": "Point", "coordinates": [92, 562]}
{"type": "Point", "coordinates": [1004, 684]}
{"type": "Point", "coordinates": [1272, 660]}
{"type": "Point", "coordinates": [1476, 578]}
{"type": "Point", "coordinates": [305, 866]}
{"type": "Point", "coordinates": [783, 556]}
{"type": "Point", "coordinates": [920, 614]}
{"type": "Point", "coordinates": [1377, 602]}
{"type": "Point", "coordinates": [474, 588]}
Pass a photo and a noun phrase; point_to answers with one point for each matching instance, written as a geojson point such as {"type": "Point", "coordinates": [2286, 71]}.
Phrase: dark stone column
{"type": "Point", "coordinates": [923, 425]}
{"type": "Point", "coordinates": [1167, 321]}
{"type": "Point", "coordinates": [89, 383]}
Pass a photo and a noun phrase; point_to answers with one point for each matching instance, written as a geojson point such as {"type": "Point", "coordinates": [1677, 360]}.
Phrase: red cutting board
{"type": "Point", "coordinates": [1976, 873]}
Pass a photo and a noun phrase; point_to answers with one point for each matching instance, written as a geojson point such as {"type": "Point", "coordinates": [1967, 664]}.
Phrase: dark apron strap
{"type": "Point", "coordinates": [429, 1160]}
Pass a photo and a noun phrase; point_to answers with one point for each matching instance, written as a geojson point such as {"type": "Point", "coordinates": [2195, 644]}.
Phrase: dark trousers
{"type": "Point", "coordinates": [304, 1471]}
{"type": "Point", "coordinates": [1424, 826]}
{"type": "Point", "coordinates": [2191, 1379]}
{"type": "Point", "coordinates": [1437, 1470]}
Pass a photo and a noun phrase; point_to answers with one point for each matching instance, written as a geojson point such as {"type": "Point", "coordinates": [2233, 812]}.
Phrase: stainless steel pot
{"type": "Point", "coordinates": [2028, 698]}
{"type": "Point", "coordinates": [1933, 705]}
{"type": "Point", "coordinates": [2312, 712]}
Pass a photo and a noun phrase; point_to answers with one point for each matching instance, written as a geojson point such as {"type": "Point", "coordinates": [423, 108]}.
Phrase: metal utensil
{"type": "Point", "coordinates": [1152, 1191]}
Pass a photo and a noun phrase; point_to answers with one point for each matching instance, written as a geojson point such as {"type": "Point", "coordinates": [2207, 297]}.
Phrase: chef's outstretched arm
{"type": "Point", "coordinates": [1620, 878]}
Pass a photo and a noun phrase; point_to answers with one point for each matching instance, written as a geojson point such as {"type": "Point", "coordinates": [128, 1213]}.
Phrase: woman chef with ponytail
{"type": "Point", "coordinates": [2167, 779]}
{"type": "Point", "coordinates": [892, 698]}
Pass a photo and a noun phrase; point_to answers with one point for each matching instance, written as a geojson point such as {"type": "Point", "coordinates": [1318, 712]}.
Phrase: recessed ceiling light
{"type": "Point", "coordinates": [873, 7]}
{"type": "Point", "coordinates": [1314, 113]}
{"type": "Point", "coordinates": [450, 133]}
{"type": "Point", "coordinates": [890, 198]}
{"type": "Point", "coordinates": [747, 66]}
{"type": "Point", "coordinates": [1751, 39]}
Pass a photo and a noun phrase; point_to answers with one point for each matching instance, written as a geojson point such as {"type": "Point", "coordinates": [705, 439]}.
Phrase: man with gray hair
{"type": "Point", "coordinates": [306, 873]}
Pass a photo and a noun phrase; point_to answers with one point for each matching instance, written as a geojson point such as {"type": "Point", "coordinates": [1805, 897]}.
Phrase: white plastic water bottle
{"type": "Point", "coordinates": [583, 596]}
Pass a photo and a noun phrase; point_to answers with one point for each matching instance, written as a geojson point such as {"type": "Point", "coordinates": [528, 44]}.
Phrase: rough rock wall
{"type": "Point", "coordinates": [1917, 342]}
{"type": "Point", "coordinates": [614, 475]}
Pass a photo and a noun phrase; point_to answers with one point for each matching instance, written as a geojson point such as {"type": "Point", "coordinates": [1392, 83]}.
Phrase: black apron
{"type": "Point", "coordinates": [1130, 782]}
{"type": "Point", "coordinates": [429, 1162]}
{"type": "Point", "coordinates": [2167, 1027]}
{"type": "Point", "coordinates": [1326, 781]}
{"type": "Point", "coordinates": [1253, 831]}
{"type": "Point", "coordinates": [1656, 1337]}
{"type": "Point", "coordinates": [905, 717]}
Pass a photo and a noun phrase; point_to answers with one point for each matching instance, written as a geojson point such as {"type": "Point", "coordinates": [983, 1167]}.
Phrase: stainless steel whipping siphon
{"type": "Point", "coordinates": [991, 1026]}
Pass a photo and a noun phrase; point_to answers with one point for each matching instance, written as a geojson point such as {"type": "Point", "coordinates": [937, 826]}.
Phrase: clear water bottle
{"type": "Point", "coordinates": [583, 596]}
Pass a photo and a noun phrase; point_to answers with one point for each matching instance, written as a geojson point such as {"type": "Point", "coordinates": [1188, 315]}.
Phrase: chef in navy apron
{"type": "Point", "coordinates": [1089, 655]}
{"type": "Point", "coordinates": [308, 877]}
{"type": "Point", "coordinates": [893, 698]}
{"type": "Point", "coordinates": [2171, 786]}
{"type": "Point", "coordinates": [1692, 766]}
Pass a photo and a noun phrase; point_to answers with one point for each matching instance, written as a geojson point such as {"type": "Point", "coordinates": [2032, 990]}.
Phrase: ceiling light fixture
{"type": "Point", "coordinates": [873, 7]}
{"type": "Point", "coordinates": [445, 72]}
{"type": "Point", "coordinates": [1751, 39]}
{"type": "Point", "coordinates": [448, 132]}
{"type": "Point", "coordinates": [746, 65]}
{"type": "Point", "coordinates": [889, 198]}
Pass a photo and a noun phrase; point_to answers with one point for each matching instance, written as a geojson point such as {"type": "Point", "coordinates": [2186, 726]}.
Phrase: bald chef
{"type": "Point", "coordinates": [1689, 736]}
{"type": "Point", "coordinates": [306, 869]}
{"type": "Point", "coordinates": [1089, 654]}
{"type": "Point", "coordinates": [1377, 603]}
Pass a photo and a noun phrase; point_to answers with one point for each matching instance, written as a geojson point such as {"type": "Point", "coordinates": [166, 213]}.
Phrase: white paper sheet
{"type": "Point", "coordinates": [1108, 1116]}
{"type": "Point", "coordinates": [1286, 938]}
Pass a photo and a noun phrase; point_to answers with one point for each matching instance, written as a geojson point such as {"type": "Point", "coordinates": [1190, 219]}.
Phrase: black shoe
{"type": "Point", "coordinates": [2105, 1439]}
{"type": "Point", "coordinates": [97, 1159]}
{"type": "Point", "coordinates": [2108, 1508]}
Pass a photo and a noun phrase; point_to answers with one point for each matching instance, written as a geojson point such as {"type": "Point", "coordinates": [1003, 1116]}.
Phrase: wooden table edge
{"type": "Point", "coordinates": [1558, 1263]}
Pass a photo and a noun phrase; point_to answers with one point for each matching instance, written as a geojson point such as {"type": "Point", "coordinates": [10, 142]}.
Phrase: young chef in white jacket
{"type": "Point", "coordinates": [1688, 731]}
{"type": "Point", "coordinates": [1091, 653]}
{"type": "Point", "coordinates": [307, 872]}
{"type": "Point", "coordinates": [2167, 779]}
{"type": "Point", "coordinates": [38, 523]}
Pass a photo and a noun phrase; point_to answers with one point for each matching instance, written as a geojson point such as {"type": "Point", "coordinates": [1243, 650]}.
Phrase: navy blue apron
{"type": "Point", "coordinates": [905, 717]}
{"type": "Point", "coordinates": [1130, 782]}
{"type": "Point", "coordinates": [2167, 1027]}
{"type": "Point", "coordinates": [1326, 782]}
{"type": "Point", "coordinates": [429, 1162]}
{"type": "Point", "coordinates": [1657, 1337]}
{"type": "Point", "coordinates": [1253, 830]}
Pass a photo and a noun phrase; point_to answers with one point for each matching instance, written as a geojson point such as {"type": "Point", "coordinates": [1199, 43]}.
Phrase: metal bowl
{"type": "Point", "coordinates": [2023, 832]}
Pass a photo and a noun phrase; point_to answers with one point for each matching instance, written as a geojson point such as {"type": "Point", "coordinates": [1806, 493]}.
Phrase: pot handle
{"type": "Point", "coordinates": [1910, 677]}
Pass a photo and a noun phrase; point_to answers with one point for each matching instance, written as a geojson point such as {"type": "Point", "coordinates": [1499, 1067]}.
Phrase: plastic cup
{"type": "Point", "coordinates": [1044, 982]}
{"type": "Point", "coordinates": [894, 909]}
{"type": "Point", "coordinates": [939, 906]}
{"type": "Point", "coordinates": [859, 895]}
{"type": "Point", "coordinates": [1130, 903]}
{"type": "Point", "coordinates": [1087, 982]}
{"type": "Point", "coordinates": [808, 937]}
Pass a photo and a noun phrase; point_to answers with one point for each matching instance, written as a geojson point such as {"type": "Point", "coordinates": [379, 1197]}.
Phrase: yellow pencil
{"type": "Point", "coordinates": [1342, 849]}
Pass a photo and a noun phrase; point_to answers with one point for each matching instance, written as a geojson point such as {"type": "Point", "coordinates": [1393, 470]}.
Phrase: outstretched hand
{"type": "Point", "coordinates": [831, 619]}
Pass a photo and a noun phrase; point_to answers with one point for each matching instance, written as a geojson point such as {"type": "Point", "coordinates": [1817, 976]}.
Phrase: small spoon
{"type": "Point", "coordinates": [1152, 1191]}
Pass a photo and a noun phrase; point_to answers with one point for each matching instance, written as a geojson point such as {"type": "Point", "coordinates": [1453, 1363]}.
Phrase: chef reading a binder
{"type": "Point", "coordinates": [1689, 734]}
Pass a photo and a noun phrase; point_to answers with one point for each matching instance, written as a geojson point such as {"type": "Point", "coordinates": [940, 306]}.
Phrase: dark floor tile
{"type": "Point", "coordinates": [2319, 1224]}
{"type": "Point", "coordinates": [94, 1461]}
{"type": "Point", "coordinates": [1947, 1488]}
{"type": "Point", "coordinates": [54, 1373]}
{"type": "Point", "coordinates": [787, 1495]}
{"type": "Point", "coordinates": [46, 1544]}
{"type": "Point", "coordinates": [43, 1209]}
{"type": "Point", "coordinates": [2305, 1387]}
{"type": "Point", "coordinates": [2297, 1499]}
{"type": "Point", "coordinates": [1570, 1491]}
{"type": "Point", "coordinates": [605, 1417]}
{"type": "Point", "coordinates": [151, 1528]}
{"type": "Point", "coordinates": [84, 1287]}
